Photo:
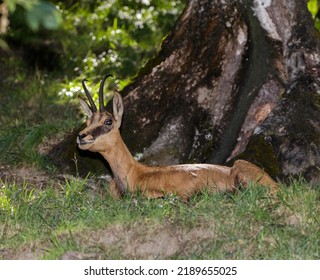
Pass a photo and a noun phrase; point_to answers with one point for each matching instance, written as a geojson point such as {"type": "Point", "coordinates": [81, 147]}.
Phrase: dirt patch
{"type": "Point", "coordinates": [28, 252]}
{"type": "Point", "coordinates": [139, 240]}
{"type": "Point", "coordinates": [142, 241]}
{"type": "Point", "coordinates": [72, 255]}
{"type": "Point", "coordinates": [24, 175]}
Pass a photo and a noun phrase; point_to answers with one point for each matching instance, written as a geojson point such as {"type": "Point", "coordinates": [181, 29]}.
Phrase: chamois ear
{"type": "Point", "coordinates": [117, 108]}
{"type": "Point", "coordinates": [85, 107]}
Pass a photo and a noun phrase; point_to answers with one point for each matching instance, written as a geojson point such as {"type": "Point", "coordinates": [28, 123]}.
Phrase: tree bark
{"type": "Point", "coordinates": [234, 79]}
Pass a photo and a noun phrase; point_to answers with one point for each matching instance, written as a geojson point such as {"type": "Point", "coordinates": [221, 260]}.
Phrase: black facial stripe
{"type": "Point", "coordinates": [100, 130]}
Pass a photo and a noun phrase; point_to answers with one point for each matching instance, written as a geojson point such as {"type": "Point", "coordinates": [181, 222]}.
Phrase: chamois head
{"type": "Point", "coordinates": [101, 125]}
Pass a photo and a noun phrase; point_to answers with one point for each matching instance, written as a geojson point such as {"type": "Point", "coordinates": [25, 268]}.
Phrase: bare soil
{"type": "Point", "coordinates": [141, 240]}
{"type": "Point", "coordinates": [23, 174]}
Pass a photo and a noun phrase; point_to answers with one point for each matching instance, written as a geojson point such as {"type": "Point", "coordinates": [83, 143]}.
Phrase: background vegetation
{"type": "Point", "coordinates": [46, 49]}
{"type": "Point", "coordinates": [42, 75]}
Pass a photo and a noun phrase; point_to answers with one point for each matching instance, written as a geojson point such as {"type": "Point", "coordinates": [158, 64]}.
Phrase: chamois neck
{"type": "Point", "coordinates": [119, 157]}
{"type": "Point", "coordinates": [122, 163]}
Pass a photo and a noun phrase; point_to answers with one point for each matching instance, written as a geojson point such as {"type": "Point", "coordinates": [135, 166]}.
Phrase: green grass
{"type": "Point", "coordinates": [31, 113]}
{"type": "Point", "coordinates": [69, 216]}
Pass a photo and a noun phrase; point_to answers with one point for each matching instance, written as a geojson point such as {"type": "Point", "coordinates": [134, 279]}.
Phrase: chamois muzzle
{"type": "Point", "coordinates": [82, 141]}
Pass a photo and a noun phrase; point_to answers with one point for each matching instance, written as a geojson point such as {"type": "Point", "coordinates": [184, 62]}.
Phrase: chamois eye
{"type": "Point", "coordinates": [108, 122]}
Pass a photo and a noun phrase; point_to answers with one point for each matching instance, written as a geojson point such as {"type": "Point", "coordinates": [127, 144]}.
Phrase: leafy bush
{"type": "Point", "coordinates": [95, 37]}
{"type": "Point", "coordinates": [34, 13]}
{"type": "Point", "coordinates": [116, 37]}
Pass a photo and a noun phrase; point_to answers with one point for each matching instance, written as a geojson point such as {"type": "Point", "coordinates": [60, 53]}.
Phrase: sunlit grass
{"type": "Point", "coordinates": [244, 225]}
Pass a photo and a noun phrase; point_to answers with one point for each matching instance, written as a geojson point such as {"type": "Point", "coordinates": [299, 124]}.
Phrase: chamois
{"type": "Point", "coordinates": [102, 135]}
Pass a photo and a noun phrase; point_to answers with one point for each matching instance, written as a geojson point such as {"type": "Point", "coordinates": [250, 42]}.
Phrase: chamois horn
{"type": "Point", "coordinates": [101, 102]}
{"type": "Point", "coordinates": [93, 106]}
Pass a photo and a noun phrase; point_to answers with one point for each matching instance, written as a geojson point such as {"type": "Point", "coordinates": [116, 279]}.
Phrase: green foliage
{"type": "Point", "coordinates": [115, 37]}
{"type": "Point", "coordinates": [95, 37]}
{"type": "Point", "coordinates": [35, 13]}
{"type": "Point", "coordinates": [12, 4]}
{"type": "Point", "coordinates": [313, 7]}
{"type": "Point", "coordinates": [43, 14]}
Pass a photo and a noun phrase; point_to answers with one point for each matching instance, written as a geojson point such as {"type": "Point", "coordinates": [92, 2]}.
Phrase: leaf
{"type": "Point", "coordinates": [43, 14]}
{"type": "Point", "coordinates": [23, 3]}
{"type": "Point", "coordinates": [313, 7]}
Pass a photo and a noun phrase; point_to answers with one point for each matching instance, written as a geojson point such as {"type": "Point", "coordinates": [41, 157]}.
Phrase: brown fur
{"type": "Point", "coordinates": [183, 180]}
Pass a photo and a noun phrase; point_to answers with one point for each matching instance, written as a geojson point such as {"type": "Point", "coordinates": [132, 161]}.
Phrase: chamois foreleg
{"type": "Point", "coordinates": [113, 190]}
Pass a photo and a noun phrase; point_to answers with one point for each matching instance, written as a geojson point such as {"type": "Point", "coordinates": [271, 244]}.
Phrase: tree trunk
{"type": "Point", "coordinates": [234, 79]}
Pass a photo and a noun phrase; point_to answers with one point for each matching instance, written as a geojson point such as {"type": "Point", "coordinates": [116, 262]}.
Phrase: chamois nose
{"type": "Point", "coordinates": [81, 136]}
